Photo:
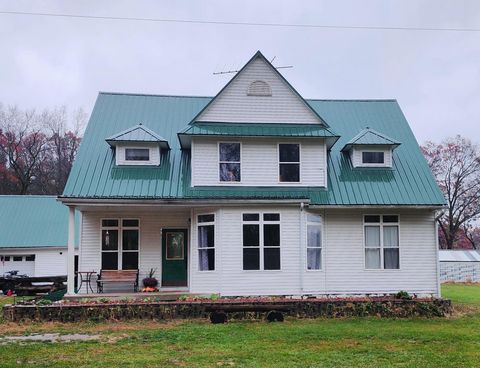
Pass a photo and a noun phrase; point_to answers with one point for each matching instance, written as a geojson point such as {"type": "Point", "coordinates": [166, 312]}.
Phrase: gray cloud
{"type": "Point", "coordinates": [434, 75]}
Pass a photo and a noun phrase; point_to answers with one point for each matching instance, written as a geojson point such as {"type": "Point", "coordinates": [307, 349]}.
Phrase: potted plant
{"type": "Point", "coordinates": [150, 281]}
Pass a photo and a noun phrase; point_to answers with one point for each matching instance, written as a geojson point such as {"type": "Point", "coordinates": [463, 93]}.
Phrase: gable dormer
{"type": "Point", "coordinates": [137, 146]}
{"type": "Point", "coordinates": [370, 148]}
{"type": "Point", "coordinates": [259, 94]}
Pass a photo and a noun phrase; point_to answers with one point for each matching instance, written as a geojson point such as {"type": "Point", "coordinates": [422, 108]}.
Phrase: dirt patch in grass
{"type": "Point", "coordinates": [11, 328]}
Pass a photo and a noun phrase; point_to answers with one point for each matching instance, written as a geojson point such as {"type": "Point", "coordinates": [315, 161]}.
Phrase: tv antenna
{"type": "Point", "coordinates": [236, 71]}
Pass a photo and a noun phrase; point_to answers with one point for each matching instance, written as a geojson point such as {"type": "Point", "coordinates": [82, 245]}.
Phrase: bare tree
{"type": "Point", "coordinates": [455, 163]}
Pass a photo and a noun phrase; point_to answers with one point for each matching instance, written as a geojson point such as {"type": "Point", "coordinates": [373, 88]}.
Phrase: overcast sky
{"type": "Point", "coordinates": [435, 75]}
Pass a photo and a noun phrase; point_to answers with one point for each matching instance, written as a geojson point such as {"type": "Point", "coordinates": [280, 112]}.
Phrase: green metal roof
{"type": "Point", "coordinates": [33, 221]}
{"type": "Point", "coordinates": [256, 130]}
{"type": "Point", "coordinates": [371, 137]}
{"type": "Point", "coordinates": [138, 133]}
{"type": "Point", "coordinates": [94, 174]}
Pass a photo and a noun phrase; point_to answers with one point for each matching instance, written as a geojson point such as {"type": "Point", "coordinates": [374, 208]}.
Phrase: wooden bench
{"type": "Point", "coordinates": [111, 277]}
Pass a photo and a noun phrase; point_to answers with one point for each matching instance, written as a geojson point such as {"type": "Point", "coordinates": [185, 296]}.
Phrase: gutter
{"type": "Point", "coordinates": [170, 202]}
{"type": "Point", "coordinates": [367, 206]}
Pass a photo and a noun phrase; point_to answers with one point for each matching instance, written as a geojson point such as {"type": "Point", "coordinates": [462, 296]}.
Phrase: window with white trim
{"type": "Point", "coordinates": [382, 245]}
{"type": "Point", "coordinates": [261, 241]}
{"type": "Point", "coordinates": [206, 242]}
{"type": "Point", "coordinates": [229, 161]}
{"type": "Point", "coordinates": [120, 252]}
{"type": "Point", "coordinates": [314, 242]}
{"type": "Point", "coordinates": [289, 162]}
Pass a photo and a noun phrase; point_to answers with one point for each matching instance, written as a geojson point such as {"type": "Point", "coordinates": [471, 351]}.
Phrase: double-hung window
{"type": "Point", "coordinates": [382, 246]}
{"type": "Point", "coordinates": [229, 162]}
{"type": "Point", "coordinates": [289, 162]}
{"type": "Point", "coordinates": [120, 253]}
{"type": "Point", "coordinates": [206, 242]}
{"type": "Point", "coordinates": [261, 241]}
{"type": "Point", "coordinates": [314, 242]}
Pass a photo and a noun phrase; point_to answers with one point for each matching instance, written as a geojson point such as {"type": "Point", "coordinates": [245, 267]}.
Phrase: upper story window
{"type": "Point", "coordinates": [259, 88]}
{"type": "Point", "coordinates": [289, 162]}
{"type": "Point", "coordinates": [229, 162]}
{"type": "Point", "coordinates": [371, 157]}
{"type": "Point", "coordinates": [137, 154]}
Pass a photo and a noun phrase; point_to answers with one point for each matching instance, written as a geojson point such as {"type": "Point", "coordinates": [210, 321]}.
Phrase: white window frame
{"type": "Point", "coordinates": [261, 245]}
{"type": "Point", "coordinates": [154, 154]}
{"type": "Point", "coordinates": [286, 163]}
{"type": "Point", "coordinates": [120, 229]}
{"type": "Point", "coordinates": [199, 224]}
{"type": "Point", "coordinates": [387, 155]}
{"type": "Point", "coordinates": [229, 162]}
{"type": "Point", "coordinates": [320, 225]}
{"type": "Point", "coordinates": [381, 224]}
{"type": "Point", "coordinates": [136, 148]}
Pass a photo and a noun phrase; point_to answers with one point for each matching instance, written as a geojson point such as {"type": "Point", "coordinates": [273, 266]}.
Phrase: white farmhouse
{"type": "Point", "coordinates": [256, 191]}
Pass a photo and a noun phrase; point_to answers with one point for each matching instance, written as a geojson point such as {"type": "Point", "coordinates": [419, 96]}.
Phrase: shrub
{"type": "Point", "coordinates": [402, 294]}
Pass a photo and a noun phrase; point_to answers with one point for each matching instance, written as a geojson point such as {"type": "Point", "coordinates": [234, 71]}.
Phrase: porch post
{"type": "Point", "coordinates": [71, 252]}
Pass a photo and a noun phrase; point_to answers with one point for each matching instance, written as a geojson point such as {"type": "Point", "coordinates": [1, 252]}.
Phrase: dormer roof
{"type": "Point", "coordinates": [138, 133]}
{"type": "Point", "coordinates": [370, 137]}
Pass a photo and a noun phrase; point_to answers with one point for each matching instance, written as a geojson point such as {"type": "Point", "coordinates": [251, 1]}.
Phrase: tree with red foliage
{"type": "Point", "coordinates": [36, 150]}
{"type": "Point", "coordinates": [455, 163]}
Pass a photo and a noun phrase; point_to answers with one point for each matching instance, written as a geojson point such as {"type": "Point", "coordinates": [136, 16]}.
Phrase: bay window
{"type": "Point", "coordinates": [206, 242]}
{"type": "Point", "coordinates": [314, 242]}
{"type": "Point", "coordinates": [382, 246]}
{"type": "Point", "coordinates": [261, 241]}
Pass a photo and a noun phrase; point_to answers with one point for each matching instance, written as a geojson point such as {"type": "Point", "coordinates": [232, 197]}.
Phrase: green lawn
{"type": "Point", "coordinates": [359, 342]}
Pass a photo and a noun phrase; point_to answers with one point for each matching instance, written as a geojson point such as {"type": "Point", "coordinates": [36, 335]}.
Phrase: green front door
{"type": "Point", "coordinates": [174, 257]}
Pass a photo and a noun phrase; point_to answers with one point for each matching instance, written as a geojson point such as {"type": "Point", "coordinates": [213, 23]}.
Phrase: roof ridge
{"type": "Point", "coordinates": [151, 94]}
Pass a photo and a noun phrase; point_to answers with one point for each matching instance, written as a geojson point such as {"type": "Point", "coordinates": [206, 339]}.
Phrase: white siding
{"type": "Point", "coordinates": [48, 261]}
{"type": "Point", "coordinates": [356, 155]}
{"type": "Point", "coordinates": [151, 225]}
{"type": "Point", "coordinates": [234, 105]}
{"type": "Point", "coordinates": [154, 154]}
{"type": "Point", "coordinates": [344, 253]}
{"type": "Point", "coordinates": [229, 278]}
{"type": "Point", "coordinates": [259, 162]}
{"type": "Point", "coordinates": [343, 270]}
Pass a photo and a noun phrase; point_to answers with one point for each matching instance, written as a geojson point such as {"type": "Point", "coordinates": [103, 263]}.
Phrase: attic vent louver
{"type": "Point", "coordinates": [259, 88]}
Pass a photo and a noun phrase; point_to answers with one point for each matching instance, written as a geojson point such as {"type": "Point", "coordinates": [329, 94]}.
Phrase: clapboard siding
{"type": "Point", "coordinates": [356, 155]}
{"type": "Point", "coordinates": [259, 162]}
{"type": "Point", "coordinates": [345, 271]}
{"type": "Point", "coordinates": [151, 225]}
{"type": "Point", "coordinates": [234, 105]}
{"type": "Point", "coordinates": [48, 261]}
{"type": "Point", "coordinates": [229, 278]}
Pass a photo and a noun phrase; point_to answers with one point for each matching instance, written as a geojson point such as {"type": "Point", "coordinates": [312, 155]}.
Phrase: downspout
{"type": "Point", "coordinates": [302, 247]}
{"type": "Point", "coordinates": [437, 254]}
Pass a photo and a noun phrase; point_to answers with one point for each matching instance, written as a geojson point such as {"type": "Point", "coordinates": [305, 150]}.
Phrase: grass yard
{"type": "Point", "coordinates": [359, 342]}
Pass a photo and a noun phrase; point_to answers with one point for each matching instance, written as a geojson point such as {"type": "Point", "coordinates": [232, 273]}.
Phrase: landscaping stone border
{"type": "Point", "coordinates": [299, 308]}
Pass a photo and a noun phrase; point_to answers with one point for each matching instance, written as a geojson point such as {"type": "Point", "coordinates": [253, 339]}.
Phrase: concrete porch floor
{"type": "Point", "coordinates": [169, 295]}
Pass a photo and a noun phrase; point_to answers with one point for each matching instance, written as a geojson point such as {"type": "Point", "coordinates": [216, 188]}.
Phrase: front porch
{"type": "Point", "coordinates": [160, 296]}
{"type": "Point", "coordinates": [145, 242]}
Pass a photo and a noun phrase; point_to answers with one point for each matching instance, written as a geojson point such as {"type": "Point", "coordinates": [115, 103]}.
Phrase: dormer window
{"type": "Point", "coordinates": [137, 154]}
{"type": "Point", "coordinates": [138, 146]}
{"type": "Point", "coordinates": [370, 157]}
{"type": "Point", "coordinates": [370, 148]}
{"type": "Point", "coordinates": [259, 88]}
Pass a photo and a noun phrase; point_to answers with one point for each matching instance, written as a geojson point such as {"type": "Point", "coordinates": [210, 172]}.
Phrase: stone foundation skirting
{"type": "Point", "coordinates": [305, 308]}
